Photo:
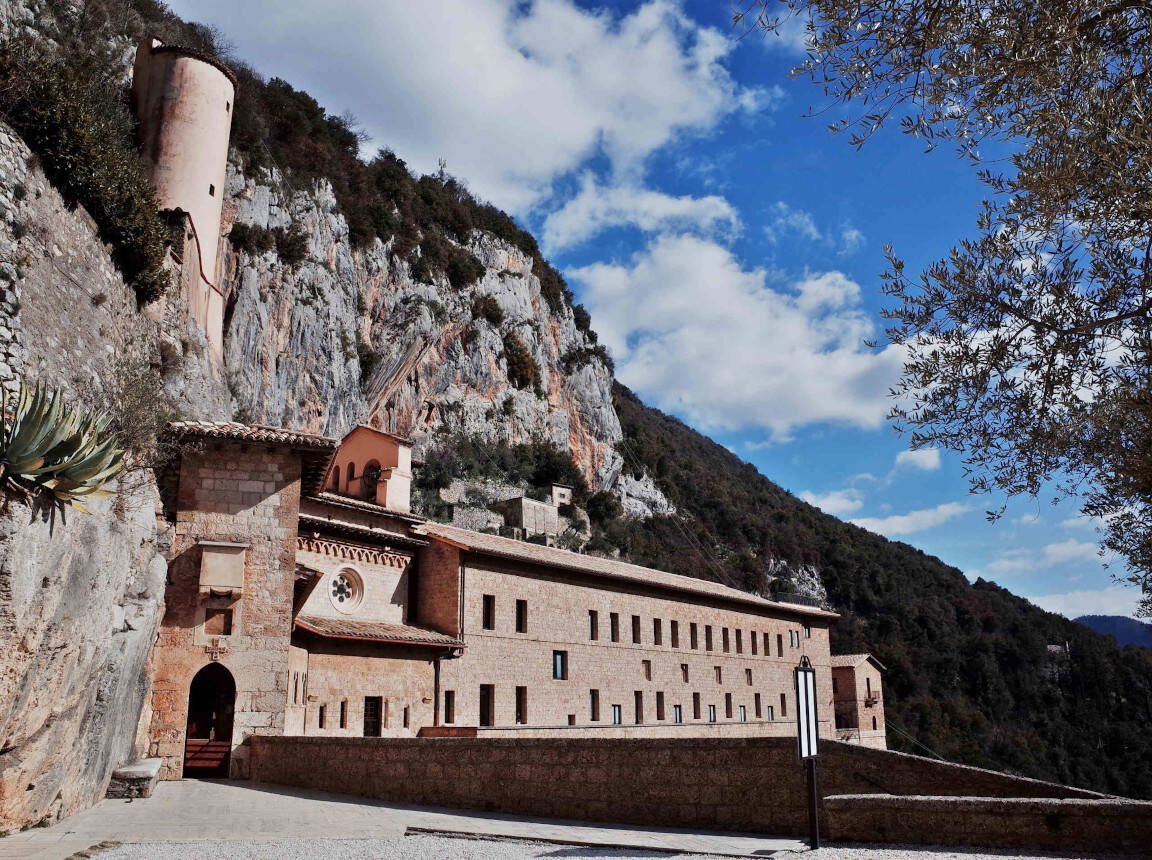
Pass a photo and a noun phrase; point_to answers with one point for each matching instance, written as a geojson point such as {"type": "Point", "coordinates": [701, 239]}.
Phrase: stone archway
{"type": "Point", "coordinates": [211, 709]}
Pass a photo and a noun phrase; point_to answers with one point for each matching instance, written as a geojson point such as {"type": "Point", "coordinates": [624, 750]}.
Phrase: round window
{"type": "Point", "coordinates": [346, 589]}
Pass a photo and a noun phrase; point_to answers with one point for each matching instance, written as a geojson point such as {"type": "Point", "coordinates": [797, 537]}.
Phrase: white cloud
{"type": "Point", "coordinates": [1114, 600]}
{"type": "Point", "coordinates": [596, 208]}
{"type": "Point", "coordinates": [913, 521]}
{"type": "Point", "coordinates": [1028, 520]}
{"type": "Point", "coordinates": [786, 220]}
{"type": "Point", "coordinates": [836, 502]}
{"type": "Point", "coordinates": [1018, 560]}
{"type": "Point", "coordinates": [925, 459]}
{"type": "Point", "coordinates": [851, 241]}
{"type": "Point", "coordinates": [697, 334]}
{"type": "Point", "coordinates": [511, 94]}
{"type": "Point", "coordinates": [791, 35]}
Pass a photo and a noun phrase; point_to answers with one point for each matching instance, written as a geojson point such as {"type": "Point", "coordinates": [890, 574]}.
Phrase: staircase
{"type": "Point", "coordinates": [206, 758]}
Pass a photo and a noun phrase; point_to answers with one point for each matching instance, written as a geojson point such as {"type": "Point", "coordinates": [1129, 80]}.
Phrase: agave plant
{"type": "Point", "coordinates": [56, 452]}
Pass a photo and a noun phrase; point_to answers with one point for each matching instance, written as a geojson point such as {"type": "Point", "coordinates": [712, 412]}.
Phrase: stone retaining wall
{"type": "Point", "coordinates": [753, 784]}
{"type": "Point", "coordinates": [1039, 824]}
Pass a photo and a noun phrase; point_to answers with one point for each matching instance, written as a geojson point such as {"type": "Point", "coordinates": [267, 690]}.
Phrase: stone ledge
{"type": "Point", "coordinates": [135, 780]}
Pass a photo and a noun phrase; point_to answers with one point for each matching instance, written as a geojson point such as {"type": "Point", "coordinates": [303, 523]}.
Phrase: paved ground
{"type": "Point", "coordinates": [208, 820]}
{"type": "Point", "coordinates": [208, 811]}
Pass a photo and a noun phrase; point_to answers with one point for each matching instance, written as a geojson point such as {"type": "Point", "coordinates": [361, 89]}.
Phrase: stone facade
{"type": "Point", "coordinates": [249, 496]}
{"type": "Point", "coordinates": [711, 675]}
{"type": "Point", "coordinates": [859, 706]}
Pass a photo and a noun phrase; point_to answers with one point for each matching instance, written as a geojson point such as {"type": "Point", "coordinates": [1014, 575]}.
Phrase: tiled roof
{"type": "Point", "coordinates": [252, 433]}
{"type": "Point", "coordinates": [589, 564]}
{"type": "Point", "coordinates": [373, 631]}
{"type": "Point", "coordinates": [316, 451]}
{"type": "Point", "coordinates": [851, 661]}
{"type": "Point", "coordinates": [364, 505]}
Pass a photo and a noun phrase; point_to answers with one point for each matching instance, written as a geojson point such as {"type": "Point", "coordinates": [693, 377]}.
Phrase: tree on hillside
{"type": "Point", "coordinates": [1029, 345]}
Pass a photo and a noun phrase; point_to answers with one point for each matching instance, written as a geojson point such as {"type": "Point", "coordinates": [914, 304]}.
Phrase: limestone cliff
{"type": "Point", "coordinates": [349, 336]}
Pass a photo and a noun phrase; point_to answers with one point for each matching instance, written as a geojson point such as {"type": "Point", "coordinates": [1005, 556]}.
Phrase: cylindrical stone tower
{"type": "Point", "coordinates": [184, 102]}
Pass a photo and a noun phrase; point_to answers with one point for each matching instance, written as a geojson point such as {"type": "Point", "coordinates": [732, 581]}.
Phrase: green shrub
{"type": "Point", "coordinates": [603, 507]}
{"type": "Point", "coordinates": [252, 238]}
{"type": "Point", "coordinates": [487, 308]}
{"type": "Point", "coordinates": [437, 254]}
{"type": "Point", "coordinates": [523, 371]}
{"type": "Point", "coordinates": [578, 356]}
{"type": "Point", "coordinates": [291, 245]}
{"type": "Point", "coordinates": [67, 106]}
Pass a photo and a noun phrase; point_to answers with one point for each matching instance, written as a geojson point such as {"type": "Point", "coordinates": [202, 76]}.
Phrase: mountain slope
{"type": "Point", "coordinates": [1126, 631]}
{"type": "Point", "coordinates": [971, 674]}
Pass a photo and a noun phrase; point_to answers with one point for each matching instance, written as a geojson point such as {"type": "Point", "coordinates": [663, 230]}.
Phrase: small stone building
{"type": "Point", "coordinates": [305, 598]}
{"type": "Point", "coordinates": [859, 707]}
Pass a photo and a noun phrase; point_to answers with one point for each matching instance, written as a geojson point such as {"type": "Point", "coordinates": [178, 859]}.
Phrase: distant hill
{"type": "Point", "coordinates": [1126, 631]}
{"type": "Point", "coordinates": [970, 673]}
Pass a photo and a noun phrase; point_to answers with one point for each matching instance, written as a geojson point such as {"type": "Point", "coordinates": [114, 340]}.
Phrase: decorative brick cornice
{"type": "Point", "coordinates": [351, 552]}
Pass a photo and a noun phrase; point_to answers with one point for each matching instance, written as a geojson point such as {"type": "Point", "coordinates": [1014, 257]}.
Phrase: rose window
{"type": "Point", "coordinates": [346, 590]}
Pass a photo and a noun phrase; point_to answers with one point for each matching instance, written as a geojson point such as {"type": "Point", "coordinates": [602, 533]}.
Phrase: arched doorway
{"type": "Point", "coordinates": [211, 704]}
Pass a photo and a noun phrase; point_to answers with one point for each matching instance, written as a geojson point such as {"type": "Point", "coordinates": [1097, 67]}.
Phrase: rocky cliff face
{"type": "Point", "coordinates": [346, 337]}
{"type": "Point", "coordinates": [80, 595]}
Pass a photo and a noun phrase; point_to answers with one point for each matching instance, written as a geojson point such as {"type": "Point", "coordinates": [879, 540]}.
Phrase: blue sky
{"type": "Point", "coordinates": [726, 244]}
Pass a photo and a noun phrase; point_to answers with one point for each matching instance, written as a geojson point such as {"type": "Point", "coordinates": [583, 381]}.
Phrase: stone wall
{"type": "Point", "coordinates": [80, 594]}
{"type": "Point", "coordinates": [736, 784]}
{"type": "Point", "coordinates": [1113, 826]}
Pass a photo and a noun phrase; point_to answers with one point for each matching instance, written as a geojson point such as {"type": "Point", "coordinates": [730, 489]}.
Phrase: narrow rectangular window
{"type": "Point", "coordinates": [594, 705]}
{"type": "Point", "coordinates": [743, 714]}
{"type": "Point", "coordinates": [748, 676]}
{"type": "Point", "coordinates": [489, 620]}
{"type": "Point", "coordinates": [695, 706]}
{"type": "Point", "coordinates": [753, 638]}
{"type": "Point", "coordinates": [521, 706]}
{"type": "Point", "coordinates": [724, 638]}
{"type": "Point", "coordinates": [692, 639]}
{"type": "Point", "coordinates": [771, 713]}
{"type": "Point", "coordinates": [487, 704]}
{"type": "Point", "coordinates": [677, 714]}
{"type": "Point", "coordinates": [571, 719]}
{"type": "Point", "coordinates": [807, 631]}
{"type": "Point", "coordinates": [659, 706]}
{"type": "Point", "coordinates": [767, 645]}
{"type": "Point", "coordinates": [783, 705]}
{"type": "Point", "coordinates": [614, 623]}
{"type": "Point", "coordinates": [674, 633]}
{"type": "Point", "coordinates": [719, 674]}
{"type": "Point", "coordinates": [407, 716]}
{"type": "Point", "coordinates": [739, 642]}
{"type": "Point", "coordinates": [684, 672]}
{"type": "Point", "coordinates": [780, 644]}
{"type": "Point", "coordinates": [617, 715]}
{"type": "Point", "coordinates": [217, 622]}
{"type": "Point", "coordinates": [211, 190]}
{"type": "Point", "coordinates": [321, 713]}
{"type": "Point", "coordinates": [756, 705]}
{"type": "Point", "coordinates": [593, 625]}
{"type": "Point", "coordinates": [560, 665]}
{"type": "Point", "coordinates": [521, 616]}
{"type": "Point", "coordinates": [707, 637]}
{"type": "Point", "coordinates": [449, 706]}
{"type": "Point", "coordinates": [636, 629]}
{"type": "Point", "coordinates": [711, 713]}
{"type": "Point", "coordinates": [373, 711]}
{"type": "Point", "coordinates": [657, 633]}
{"type": "Point", "coordinates": [647, 664]}
{"type": "Point", "coordinates": [639, 696]}
{"type": "Point", "coordinates": [344, 714]}
{"type": "Point", "coordinates": [868, 687]}
{"type": "Point", "coordinates": [727, 706]}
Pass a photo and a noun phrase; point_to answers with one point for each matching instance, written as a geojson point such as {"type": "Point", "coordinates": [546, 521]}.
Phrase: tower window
{"type": "Point", "coordinates": [211, 190]}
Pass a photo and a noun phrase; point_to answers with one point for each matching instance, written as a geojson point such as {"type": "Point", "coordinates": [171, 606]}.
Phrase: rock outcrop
{"type": "Point", "coordinates": [350, 336]}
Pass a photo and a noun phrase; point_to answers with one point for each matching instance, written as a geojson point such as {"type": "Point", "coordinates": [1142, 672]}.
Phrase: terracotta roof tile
{"type": "Point", "coordinates": [851, 661]}
{"type": "Point", "coordinates": [373, 631]}
{"type": "Point", "coordinates": [589, 564]}
{"type": "Point", "coordinates": [252, 433]}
